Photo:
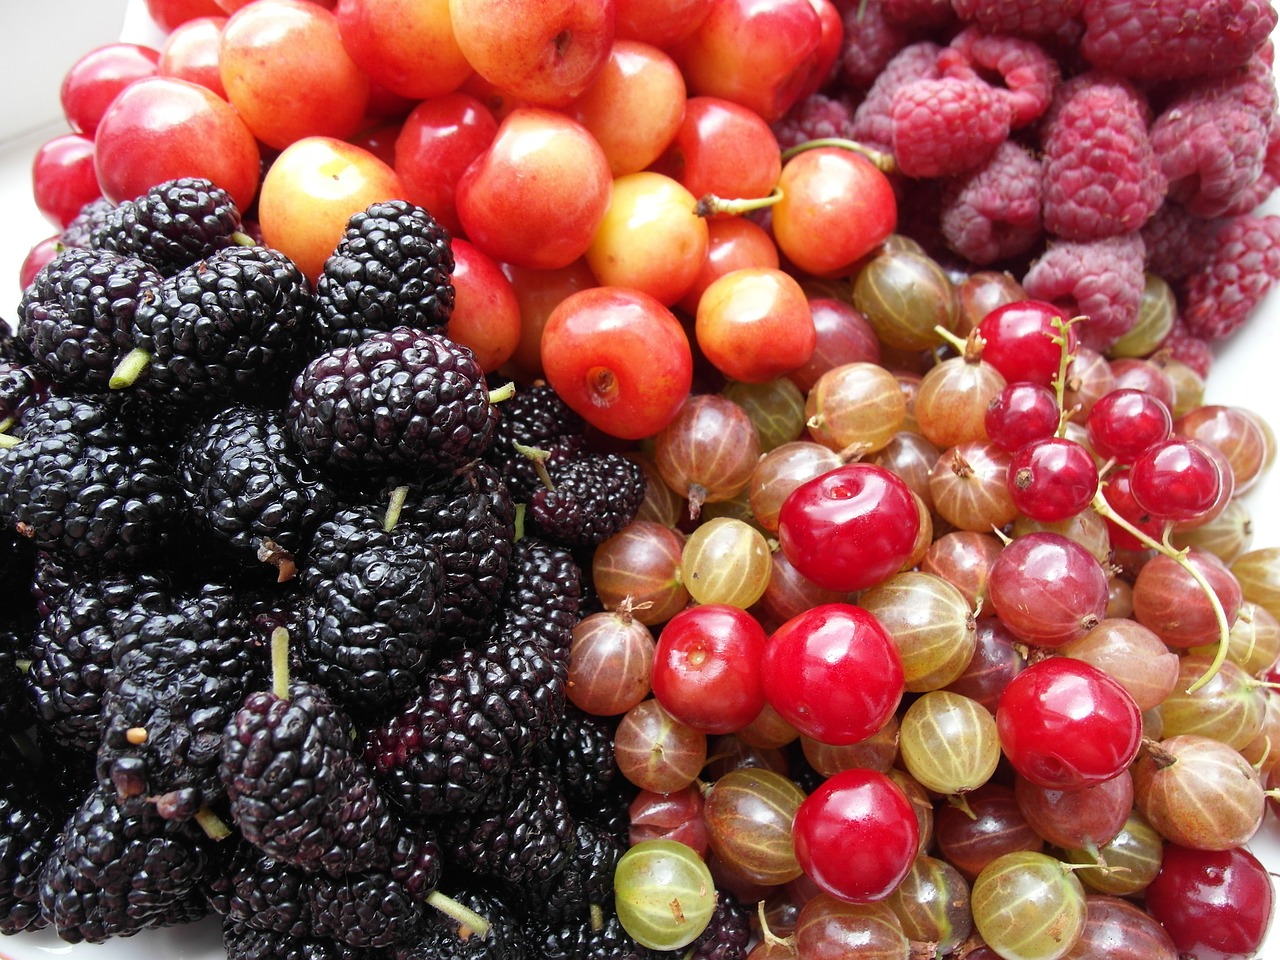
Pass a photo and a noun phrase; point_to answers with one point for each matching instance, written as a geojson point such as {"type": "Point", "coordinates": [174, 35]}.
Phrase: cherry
{"type": "Point", "coordinates": [1064, 724]}
{"type": "Point", "coordinates": [724, 149]}
{"type": "Point", "coordinates": [1020, 413]}
{"type": "Point", "coordinates": [94, 80]}
{"type": "Point", "coordinates": [663, 23]}
{"type": "Point", "coordinates": [273, 45]}
{"type": "Point", "coordinates": [836, 207]}
{"type": "Point", "coordinates": [63, 177]}
{"type": "Point", "coordinates": [619, 358]}
{"type": "Point", "coordinates": [1052, 479]}
{"type": "Point", "coordinates": [1124, 422]}
{"type": "Point", "coordinates": [1215, 904]}
{"type": "Point", "coordinates": [160, 128]}
{"type": "Point", "coordinates": [171, 14]}
{"type": "Point", "coordinates": [406, 46]}
{"type": "Point", "coordinates": [732, 244]}
{"type": "Point", "coordinates": [833, 673]}
{"type": "Point", "coordinates": [37, 258]}
{"type": "Point", "coordinates": [754, 324]}
{"type": "Point", "coordinates": [707, 672]}
{"type": "Point", "coordinates": [849, 528]}
{"type": "Point", "coordinates": [1175, 479]}
{"type": "Point", "coordinates": [486, 313]}
{"type": "Point", "coordinates": [437, 142]}
{"type": "Point", "coordinates": [1021, 340]}
{"type": "Point", "coordinates": [856, 836]}
{"type": "Point", "coordinates": [193, 52]}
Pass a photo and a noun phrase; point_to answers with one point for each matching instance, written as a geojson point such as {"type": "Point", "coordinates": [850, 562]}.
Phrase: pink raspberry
{"type": "Point", "coordinates": [993, 212]}
{"type": "Point", "coordinates": [814, 118]}
{"type": "Point", "coordinates": [1029, 73]}
{"type": "Point", "coordinates": [1211, 140]}
{"type": "Point", "coordinates": [1267, 183]}
{"type": "Point", "coordinates": [1177, 242]}
{"type": "Point", "coordinates": [870, 42]}
{"type": "Point", "coordinates": [1180, 344]}
{"type": "Point", "coordinates": [1167, 39]}
{"type": "Point", "coordinates": [872, 120]}
{"type": "Point", "coordinates": [1025, 18]}
{"type": "Point", "coordinates": [1243, 266]}
{"type": "Point", "coordinates": [920, 14]}
{"type": "Point", "coordinates": [1101, 280]}
{"type": "Point", "coordinates": [946, 126]}
{"type": "Point", "coordinates": [1101, 174]}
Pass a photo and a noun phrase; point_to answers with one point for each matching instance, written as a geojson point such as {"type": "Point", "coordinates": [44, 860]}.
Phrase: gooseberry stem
{"type": "Point", "coordinates": [1180, 558]}
{"type": "Point", "coordinates": [1065, 356]}
{"type": "Point", "coordinates": [884, 162]}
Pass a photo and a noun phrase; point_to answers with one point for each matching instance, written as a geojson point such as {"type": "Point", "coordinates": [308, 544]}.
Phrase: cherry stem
{"type": "Point", "coordinates": [129, 369]}
{"type": "Point", "coordinates": [884, 162]}
{"type": "Point", "coordinates": [709, 204]}
{"type": "Point", "coordinates": [280, 662]}
{"type": "Point", "coordinates": [470, 923]}
{"type": "Point", "coordinates": [394, 507]}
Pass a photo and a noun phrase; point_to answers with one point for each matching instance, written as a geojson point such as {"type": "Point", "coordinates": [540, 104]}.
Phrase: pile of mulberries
{"type": "Point", "coordinates": [291, 599]}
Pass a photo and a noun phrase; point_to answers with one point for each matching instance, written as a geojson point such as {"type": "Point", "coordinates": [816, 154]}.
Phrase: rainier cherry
{"type": "Point", "coordinates": [707, 672]}
{"type": "Point", "coordinates": [754, 324]}
{"type": "Point", "coordinates": [856, 836]}
{"type": "Point", "coordinates": [406, 46]}
{"type": "Point", "coordinates": [833, 673]}
{"type": "Point", "coordinates": [1064, 724]}
{"type": "Point", "coordinates": [486, 313]}
{"type": "Point", "coordinates": [619, 358]}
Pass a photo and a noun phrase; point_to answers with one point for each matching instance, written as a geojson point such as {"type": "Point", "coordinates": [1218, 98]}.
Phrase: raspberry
{"type": "Point", "coordinates": [1182, 345]}
{"type": "Point", "coordinates": [1268, 181]}
{"type": "Point", "coordinates": [1212, 141]}
{"type": "Point", "coordinates": [946, 126]}
{"type": "Point", "coordinates": [1102, 177]}
{"type": "Point", "coordinates": [814, 118]}
{"type": "Point", "coordinates": [871, 41]}
{"type": "Point", "coordinates": [1177, 241]}
{"type": "Point", "coordinates": [993, 213]}
{"type": "Point", "coordinates": [872, 124]}
{"type": "Point", "coordinates": [1243, 266]}
{"type": "Point", "coordinates": [918, 14]}
{"type": "Point", "coordinates": [1167, 39]}
{"type": "Point", "coordinates": [1019, 17]}
{"type": "Point", "coordinates": [1029, 73]}
{"type": "Point", "coordinates": [1099, 279]}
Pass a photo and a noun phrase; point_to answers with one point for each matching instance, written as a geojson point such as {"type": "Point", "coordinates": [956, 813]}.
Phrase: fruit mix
{"type": "Point", "coordinates": [638, 478]}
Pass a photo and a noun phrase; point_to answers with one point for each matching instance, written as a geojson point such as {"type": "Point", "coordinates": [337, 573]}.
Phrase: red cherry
{"type": "Point", "coordinates": [193, 53]}
{"type": "Point", "coordinates": [1020, 340]}
{"type": "Point", "coordinates": [1053, 479]}
{"type": "Point", "coordinates": [1216, 905]}
{"type": "Point", "coordinates": [833, 673]}
{"type": "Point", "coordinates": [1064, 724]}
{"type": "Point", "coordinates": [63, 177]}
{"type": "Point", "coordinates": [707, 669]}
{"type": "Point", "coordinates": [95, 79]}
{"type": "Point", "coordinates": [856, 836]}
{"type": "Point", "coordinates": [849, 528]}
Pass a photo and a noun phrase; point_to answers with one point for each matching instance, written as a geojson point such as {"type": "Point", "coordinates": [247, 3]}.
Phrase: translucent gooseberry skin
{"type": "Point", "coordinates": [1215, 905]}
{"type": "Point", "coordinates": [1047, 589]}
{"type": "Point", "coordinates": [1125, 422]}
{"type": "Point", "coordinates": [833, 673]}
{"type": "Point", "coordinates": [663, 893]}
{"type": "Point", "coordinates": [1064, 724]}
{"type": "Point", "coordinates": [726, 560]}
{"type": "Point", "coordinates": [849, 528]}
{"type": "Point", "coordinates": [750, 816]}
{"type": "Point", "coordinates": [1027, 907]}
{"type": "Point", "coordinates": [1119, 930]}
{"type": "Point", "coordinates": [856, 836]}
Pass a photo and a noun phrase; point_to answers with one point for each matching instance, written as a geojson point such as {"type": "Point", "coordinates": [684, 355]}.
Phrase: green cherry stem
{"type": "Point", "coordinates": [1179, 557]}
{"type": "Point", "coordinates": [709, 204]}
{"type": "Point", "coordinates": [884, 162]}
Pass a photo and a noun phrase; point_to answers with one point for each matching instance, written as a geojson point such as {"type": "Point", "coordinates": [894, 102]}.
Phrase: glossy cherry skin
{"type": "Point", "coordinates": [849, 528]}
{"type": "Point", "coordinates": [94, 80]}
{"type": "Point", "coordinates": [63, 177]}
{"type": "Point", "coordinates": [1020, 341]}
{"type": "Point", "coordinates": [856, 836]}
{"type": "Point", "coordinates": [1019, 413]}
{"type": "Point", "coordinates": [707, 668]}
{"type": "Point", "coordinates": [1064, 724]}
{"type": "Point", "coordinates": [833, 673]}
{"type": "Point", "coordinates": [1216, 905]}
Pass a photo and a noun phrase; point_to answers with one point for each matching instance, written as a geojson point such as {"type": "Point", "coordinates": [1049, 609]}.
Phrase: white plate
{"type": "Point", "coordinates": [1245, 374]}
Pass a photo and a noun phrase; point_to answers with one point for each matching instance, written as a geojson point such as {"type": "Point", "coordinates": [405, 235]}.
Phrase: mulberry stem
{"type": "Point", "coordinates": [470, 923]}
{"type": "Point", "coordinates": [280, 662]}
{"type": "Point", "coordinates": [129, 369]}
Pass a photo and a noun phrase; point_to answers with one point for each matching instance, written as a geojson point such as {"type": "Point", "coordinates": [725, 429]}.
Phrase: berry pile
{"type": "Point", "coordinates": [746, 492]}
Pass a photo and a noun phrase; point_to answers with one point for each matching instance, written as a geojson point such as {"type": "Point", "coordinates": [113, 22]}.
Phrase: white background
{"type": "Point", "coordinates": [39, 40]}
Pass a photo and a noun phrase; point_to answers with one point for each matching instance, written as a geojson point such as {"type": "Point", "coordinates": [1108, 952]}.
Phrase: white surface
{"type": "Point", "coordinates": [40, 40]}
